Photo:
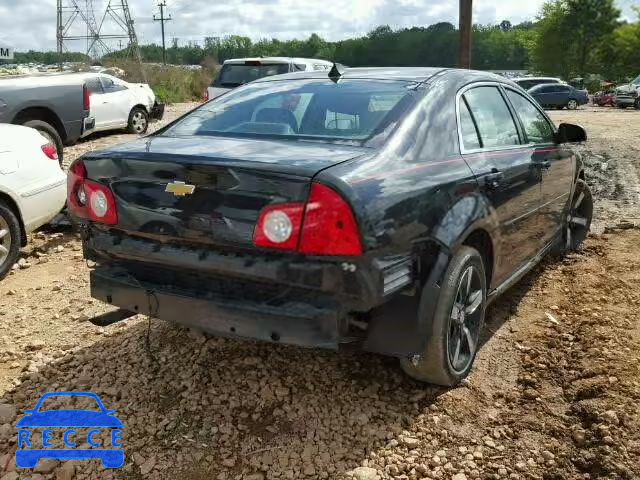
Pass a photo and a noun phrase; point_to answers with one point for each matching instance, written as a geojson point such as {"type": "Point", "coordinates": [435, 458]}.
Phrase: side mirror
{"type": "Point", "coordinates": [570, 133]}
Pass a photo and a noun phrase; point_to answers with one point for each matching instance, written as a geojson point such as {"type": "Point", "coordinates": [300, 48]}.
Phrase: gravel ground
{"type": "Point", "coordinates": [554, 394]}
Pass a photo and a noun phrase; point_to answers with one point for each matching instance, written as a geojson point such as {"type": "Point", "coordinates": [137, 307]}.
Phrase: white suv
{"type": "Point", "coordinates": [238, 71]}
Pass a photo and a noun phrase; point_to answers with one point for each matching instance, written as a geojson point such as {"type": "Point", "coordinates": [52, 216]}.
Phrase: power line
{"type": "Point", "coordinates": [162, 20]}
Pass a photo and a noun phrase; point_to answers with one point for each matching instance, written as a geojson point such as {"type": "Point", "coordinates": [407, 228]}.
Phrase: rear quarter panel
{"type": "Point", "coordinates": [417, 189]}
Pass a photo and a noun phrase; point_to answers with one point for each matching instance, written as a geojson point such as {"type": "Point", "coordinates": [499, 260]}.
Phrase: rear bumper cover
{"type": "Point", "coordinates": [291, 323]}
{"type": "Point", "coordinates": [157, 112]}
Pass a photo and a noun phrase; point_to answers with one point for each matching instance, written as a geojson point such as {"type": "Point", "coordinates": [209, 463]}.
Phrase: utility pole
{"type": "Point", "coordinates": [466, 26]}
{"type": "Point", "coordinates": [162, 20]}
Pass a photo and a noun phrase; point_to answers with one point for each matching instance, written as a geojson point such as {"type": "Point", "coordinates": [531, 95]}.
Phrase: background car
{"type": "Point", "coordinates": [628, 95]}
{"type": "Point", "coordinates": [379, 207]}
{"type": "Point", "coordinates": [529, 82]}
{"type": "Point", "coordinates": [56, 105]}
{"type": "Point", "coordinates": [604, 99]}
{"type": "Point", "coordinates": [116, 104]}
{"type": "Point", "coordinates": [238, 71]}
{"type": "Point", "coordinates": [559, 96]}
{"type": "Point", "coordinates": [32, 188]}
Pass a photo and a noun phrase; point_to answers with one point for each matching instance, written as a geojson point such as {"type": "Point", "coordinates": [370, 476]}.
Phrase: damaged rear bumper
{"type": "Point", "coordinates": [315, 325]}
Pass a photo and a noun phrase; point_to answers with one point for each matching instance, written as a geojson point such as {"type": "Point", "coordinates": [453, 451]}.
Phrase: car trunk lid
{"type": "Point", "coordinates": [207, 190]}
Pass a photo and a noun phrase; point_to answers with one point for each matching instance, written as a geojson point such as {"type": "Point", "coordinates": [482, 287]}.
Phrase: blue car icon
{"type": "Point", "coordinates": [69, 419]}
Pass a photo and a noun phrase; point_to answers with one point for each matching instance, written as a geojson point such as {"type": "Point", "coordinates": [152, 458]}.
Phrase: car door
{"type": "Point", "coordinates": [98, 104]}
{"type": "Point", "coordinates": [492, 145]}
{"type": "Point", "coordinates": [544, 95]}
{"type": "Point", "coordinates": [116, 101]}
{"type": "Point", "coordinates": [556, 165]}
{"type": "Point", "coordinates": [561, 95]}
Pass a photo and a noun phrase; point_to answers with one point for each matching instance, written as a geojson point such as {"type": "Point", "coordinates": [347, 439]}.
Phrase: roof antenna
{"type": "Point", "coordinates": [337, 71]}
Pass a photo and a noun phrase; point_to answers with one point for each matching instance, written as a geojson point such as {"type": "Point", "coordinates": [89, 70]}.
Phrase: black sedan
{"type": "Point", "coordinates": [383, 208]}
{"type": "Point", "coordinates": [559, 96]}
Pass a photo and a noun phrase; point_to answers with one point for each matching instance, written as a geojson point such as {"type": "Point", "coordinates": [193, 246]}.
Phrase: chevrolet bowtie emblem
{"type": "Point", "coordinates": [180, 189]}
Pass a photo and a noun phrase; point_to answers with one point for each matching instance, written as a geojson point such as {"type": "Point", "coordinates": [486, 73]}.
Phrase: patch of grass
{"type": "Point", "coordinates": [170, 83]}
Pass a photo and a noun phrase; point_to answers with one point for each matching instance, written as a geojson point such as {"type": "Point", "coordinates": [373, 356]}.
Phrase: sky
{"type": "Point", "coordinates": [31, 24]}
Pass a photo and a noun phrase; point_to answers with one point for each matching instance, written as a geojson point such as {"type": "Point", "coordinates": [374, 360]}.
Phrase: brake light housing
{"type": "Point", "coordinates": [205, 95]}
{"type": "Point", "coordinates": [88, 199]}
{"type": "Point", "coordinates": [86, 98]}
{"type": "Point", "coordinates": [323, 226]}
{"type": "Point", "coordinates": [50, 150]}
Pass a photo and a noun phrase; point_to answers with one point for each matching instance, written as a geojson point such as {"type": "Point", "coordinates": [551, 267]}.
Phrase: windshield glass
{"type": "Point", "coordinates": [350, 111]}
{"type": "Point", "coordinates": [636, 81]}
{"type": "Point", "coordinates": [234, 75]}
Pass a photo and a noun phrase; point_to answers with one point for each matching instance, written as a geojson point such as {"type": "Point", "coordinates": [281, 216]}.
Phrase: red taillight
{"type": "Point", "coordinates": [329, 226]}
{"type": "Point", "coordinates": [50, 150]}
{"type": "Point", "coordinates": [324, 226]}
{"type": "Point", "coordinates": [89, 199]}
{"type": "Point", "coordinates": [205, 95]}
{"type": "Point", "coordinates": [86, 98]}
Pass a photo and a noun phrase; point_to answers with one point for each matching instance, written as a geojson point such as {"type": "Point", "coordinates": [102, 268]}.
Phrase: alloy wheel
{"type": "Point", "coordinates": [577, 221]}
{"type": "Point", "coordinates": [5, 240]}
{"type": "Point", "coordinates": [465, 320]}
{"type": "Point", "coordinates": [139, 122]}
{"type": "Point", "coordinates": [572, 105]}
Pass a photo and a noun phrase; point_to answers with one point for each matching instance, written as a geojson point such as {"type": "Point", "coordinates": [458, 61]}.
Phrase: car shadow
{"type": "Point", "coordinates": [199, 406]}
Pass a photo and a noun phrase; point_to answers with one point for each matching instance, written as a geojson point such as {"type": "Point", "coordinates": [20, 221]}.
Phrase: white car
{"type": "Point", "coordinates": [33, 188]}
{"type": "Point", "coordinates": [116, 104]}
{"type": "Point", "coordinates": [238, 71]}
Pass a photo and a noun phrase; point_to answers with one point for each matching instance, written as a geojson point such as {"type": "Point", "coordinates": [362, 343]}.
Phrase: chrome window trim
{"type": "Point", "coordinates": [461, 92]}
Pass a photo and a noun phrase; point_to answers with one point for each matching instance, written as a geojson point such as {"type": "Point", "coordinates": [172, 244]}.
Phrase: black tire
{"type": "Point", "coordinates": [623, 107]}
{"type": "Point", "coordinates": [50, 132]}
{"type": "Point", "coordinates": [572, 104]}
{"type": "Point", "coordinates": [578, 221]}
{"type": "Point", "coordinates": [11, 241]}
{"type": "Point", "coordinates": [435, 365]}
{"type": "Point", "coordinates": [637, 104]}
{"type": "Point", "coordinates": [138, 121]}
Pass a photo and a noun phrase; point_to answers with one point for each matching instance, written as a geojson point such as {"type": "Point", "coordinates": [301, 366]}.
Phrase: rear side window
{"type": "Point", "coordinates": [94, 86]}
{"type": "Point", "coordinates": [536, 125]}
{"type": "Point", "coordinates": [492, 117]}
{"type": "Point", "coordinates": [470, 137]}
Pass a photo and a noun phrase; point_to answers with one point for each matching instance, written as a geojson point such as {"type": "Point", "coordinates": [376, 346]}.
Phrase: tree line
{"type": "Point", "coordinates": [569, 38]}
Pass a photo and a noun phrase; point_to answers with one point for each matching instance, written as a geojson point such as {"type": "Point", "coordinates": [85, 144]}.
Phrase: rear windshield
{"type": "Point", "coordinates": [233, 75]}
{"type": "Point", "coordinates": [351, 111]}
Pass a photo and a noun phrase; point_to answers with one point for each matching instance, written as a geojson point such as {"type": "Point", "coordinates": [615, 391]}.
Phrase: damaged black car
{"type": "Point", "coordinates": [382, 208]}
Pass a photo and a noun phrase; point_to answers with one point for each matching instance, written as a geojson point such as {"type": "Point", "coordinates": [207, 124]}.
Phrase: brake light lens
{"type": "Point", "coordinates": [50, 150]}
{"type": "Point", "coordinates": [325, 225]}
{"type": "Point", "coordinates": [329, 225]}
{"type": "Point", "coordinates": [86, 98]}
{"type": "Point", "coordinates": [88, 199]}
{"type": "Point", "coordinates": [205, 95]}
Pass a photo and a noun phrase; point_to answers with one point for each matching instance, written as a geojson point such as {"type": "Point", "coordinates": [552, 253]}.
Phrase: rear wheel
{"type": "Point", "coordinates": [10, 237]}
{"type": "Point", "coordinates": [138, 121]}
{"type": "Point", "coordinates": [455, 329]}
{"type": "Point", "coordinates": [637, 104]}
{"type": "Point", "coordinates": [50, 133]}
{"type": "Point", "coordinates": [572, 104]}
{"type": "Point", "coordinates": [579, 218]}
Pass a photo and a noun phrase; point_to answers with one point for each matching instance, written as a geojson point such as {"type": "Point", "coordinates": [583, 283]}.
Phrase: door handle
{"type": "Point", "coordinates": [493, 179]}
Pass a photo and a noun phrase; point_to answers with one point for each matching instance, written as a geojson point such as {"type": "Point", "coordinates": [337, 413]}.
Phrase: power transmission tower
{"type": "Point", "coordinates": [162, 19]}
{"type": "Point", "coordinates": [98, 36]}
{"type": "Point", "coordinates": [466, 26]}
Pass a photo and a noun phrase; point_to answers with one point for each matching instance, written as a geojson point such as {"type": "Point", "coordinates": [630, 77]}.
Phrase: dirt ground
{"type": "Point", "coordinates": [554, 394]}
